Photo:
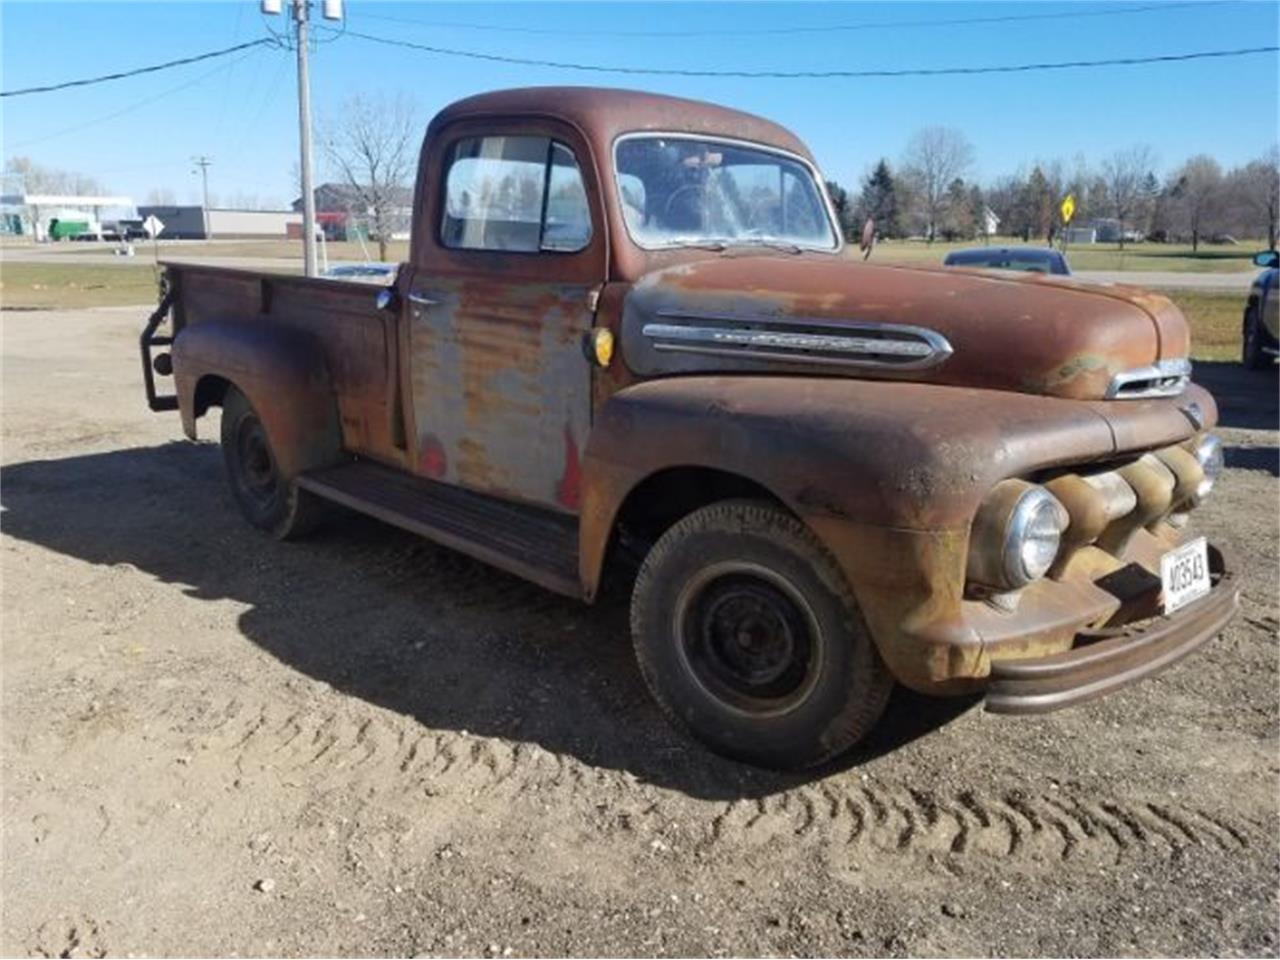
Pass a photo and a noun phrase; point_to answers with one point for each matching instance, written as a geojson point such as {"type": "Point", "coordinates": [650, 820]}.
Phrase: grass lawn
{"type": "Point", "coordinates": [70, 285]}
{"type": "Point", "coordinates": [1173, 257]}
{"type": "Point", "coordinates": [1215, 322]}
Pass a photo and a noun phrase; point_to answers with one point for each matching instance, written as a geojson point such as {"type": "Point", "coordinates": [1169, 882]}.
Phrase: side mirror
{"type": "Point", "coordinates": [1268, 259]}
{"type": "Point", "coordinates": [387, 299]}
{"type": "Point", "coordinates": [868, 240]}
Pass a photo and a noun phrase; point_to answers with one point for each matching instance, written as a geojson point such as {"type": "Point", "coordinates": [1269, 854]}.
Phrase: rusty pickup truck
{"type": "Point", "coordinates": [629, 347]}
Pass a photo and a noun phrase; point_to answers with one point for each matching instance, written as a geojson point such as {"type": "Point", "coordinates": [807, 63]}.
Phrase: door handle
{"type": "Point", "coordinates": [419, 299]}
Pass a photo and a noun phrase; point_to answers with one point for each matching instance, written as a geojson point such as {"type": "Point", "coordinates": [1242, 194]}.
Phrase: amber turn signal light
{"type": "Point", "coordinates": [600, 346]}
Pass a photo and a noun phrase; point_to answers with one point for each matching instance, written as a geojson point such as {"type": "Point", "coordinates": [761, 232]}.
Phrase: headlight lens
{"type": "Point", "coordinates": [1209, 456]}
{"type": "Point", "coordinates": [1034, 535]}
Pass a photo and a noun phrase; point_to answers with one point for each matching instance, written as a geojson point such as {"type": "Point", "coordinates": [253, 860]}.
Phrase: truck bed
{"type": "Point", "coordinates": [358, 340]}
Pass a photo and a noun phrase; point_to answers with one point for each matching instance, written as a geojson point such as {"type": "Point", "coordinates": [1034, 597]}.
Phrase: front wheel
{"type": "Point", "coordinates": [749, 638]}
{"type": "Point", "coordinates": [268, 501]}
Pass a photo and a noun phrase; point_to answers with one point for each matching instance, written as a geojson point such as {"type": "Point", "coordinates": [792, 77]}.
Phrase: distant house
{"type": "Point", "coordinates": [342, 214]}
{"type": "Point", "coordinates": [1107, 230]}
{"type": "Point", "coordinates": [990, 222]}
{"type": "Point", "coordinates": [1081, 235]}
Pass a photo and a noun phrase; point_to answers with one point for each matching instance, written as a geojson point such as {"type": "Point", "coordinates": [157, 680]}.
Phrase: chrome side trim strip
{"type": "Point", "coordinates": [1164, 378]}
{"type": "Point", "coordinates": [900, 347]}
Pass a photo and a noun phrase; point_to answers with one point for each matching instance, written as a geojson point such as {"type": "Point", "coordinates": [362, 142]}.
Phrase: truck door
{"type": "Point", "coordinates": [509, 252]}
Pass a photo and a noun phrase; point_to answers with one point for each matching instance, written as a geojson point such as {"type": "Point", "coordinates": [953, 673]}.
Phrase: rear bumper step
{"type": "Point", "coordinates": [1042, 684]}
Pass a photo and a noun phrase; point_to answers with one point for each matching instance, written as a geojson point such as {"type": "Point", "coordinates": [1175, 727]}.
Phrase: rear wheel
{"type": "Point", "coordinates": [268, 501]}
{"type": "Point", "coordinates": [1251, 352]}
{"type": "Point", "coordinates": [750, 640]}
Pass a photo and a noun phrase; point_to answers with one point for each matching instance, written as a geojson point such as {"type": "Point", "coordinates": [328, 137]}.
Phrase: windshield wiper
{"type": "Point", "coordinates": [772, 243]}
{"type": "Point", "coordinates": [719, 246]}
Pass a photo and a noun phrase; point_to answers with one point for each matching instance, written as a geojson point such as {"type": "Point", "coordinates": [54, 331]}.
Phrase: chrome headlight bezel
{"type": "Point", "coordinates": [1209, 455]}
{"type": "Point", "coordinates": [1016, 537]}
{"type": "Point", "coordinates": [1037, 521]}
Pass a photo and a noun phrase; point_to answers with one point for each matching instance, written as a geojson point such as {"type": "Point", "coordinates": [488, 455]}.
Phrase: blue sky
{"type": "Point", "coordinates": [139, 133]}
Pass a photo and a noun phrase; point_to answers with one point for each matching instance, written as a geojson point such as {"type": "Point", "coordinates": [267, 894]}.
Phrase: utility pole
{"type": "Point", "coordinates": [304, 136]}
{"type": "Point", "coordinates": [332, 10]}
{"type": "Point", "coordinates": [203, 163]}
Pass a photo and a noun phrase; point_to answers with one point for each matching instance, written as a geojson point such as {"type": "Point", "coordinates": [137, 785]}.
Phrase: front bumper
{"type": "Point", "coordinates": [1105, 660]}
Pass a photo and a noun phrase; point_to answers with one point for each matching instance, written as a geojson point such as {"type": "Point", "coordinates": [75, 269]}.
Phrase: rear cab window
{"type": "Point", "coordinates": [520, 194]}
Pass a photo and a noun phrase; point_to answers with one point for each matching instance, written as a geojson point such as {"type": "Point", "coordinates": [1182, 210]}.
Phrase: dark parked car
{"type": "Point", "coordinates": [1261, 330]}
{"type": "Point", "coordinates": [1029, 259]}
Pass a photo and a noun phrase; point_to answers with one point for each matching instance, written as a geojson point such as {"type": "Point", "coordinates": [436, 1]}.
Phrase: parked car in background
{"type": "Point", "coordinates": [382, 273]}
{"type": "Point", "coordinates": [132, 230]}
{"type": "Point", "coordinates": [1260, 341]}
{"type": "Point", "coordinates": [1027, 259]}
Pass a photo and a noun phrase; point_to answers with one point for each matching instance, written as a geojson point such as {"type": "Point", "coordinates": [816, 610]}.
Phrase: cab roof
{"type": "Point", "coordinates": [602, 114]}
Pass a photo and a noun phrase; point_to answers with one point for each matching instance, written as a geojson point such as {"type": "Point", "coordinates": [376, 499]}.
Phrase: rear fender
{"type": "Point", "coordinates": [281, 371]}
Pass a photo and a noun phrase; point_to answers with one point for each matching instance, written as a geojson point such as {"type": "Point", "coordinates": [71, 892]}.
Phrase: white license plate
{"type": "Point", "coordinates": [1184, 574]}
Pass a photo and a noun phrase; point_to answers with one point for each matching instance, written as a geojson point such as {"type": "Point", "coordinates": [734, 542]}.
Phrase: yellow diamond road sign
{"type": "Point", "coordinates": [1068, 207]}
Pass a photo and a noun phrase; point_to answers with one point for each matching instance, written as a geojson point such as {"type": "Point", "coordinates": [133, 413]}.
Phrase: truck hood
{"type": "Point", "coordinates": [834, 316]}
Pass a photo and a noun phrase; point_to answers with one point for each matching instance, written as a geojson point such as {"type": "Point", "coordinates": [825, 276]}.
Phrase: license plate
{"type": "Point", "coordinates": [1184, 574]}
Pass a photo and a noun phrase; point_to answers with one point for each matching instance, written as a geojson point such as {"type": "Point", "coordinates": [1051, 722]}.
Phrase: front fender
{"type": "Point", "coordinates": [282, 372]}
{"type": "Point", "coordinates": [888, 475]}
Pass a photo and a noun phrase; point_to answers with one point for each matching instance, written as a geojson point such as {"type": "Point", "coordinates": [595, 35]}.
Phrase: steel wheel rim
{"type": "Point", "coordinates": [748, 638]}
{"type": "Point", "coordinates": [258, 476]}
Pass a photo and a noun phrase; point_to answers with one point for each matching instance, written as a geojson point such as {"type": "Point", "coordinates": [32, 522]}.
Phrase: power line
{"type": "Point", "coordinates": [137, 105]}
{"type": "Point", "coordinates": [772, 31]}
{"type": "Point", "coordinates": [813, 74]}
{"type": "Point", "coordinates": [138, 72]}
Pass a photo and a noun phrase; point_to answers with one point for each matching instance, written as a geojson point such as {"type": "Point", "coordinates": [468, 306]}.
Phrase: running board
{"type": "Point", "coordinates": [533, 543]}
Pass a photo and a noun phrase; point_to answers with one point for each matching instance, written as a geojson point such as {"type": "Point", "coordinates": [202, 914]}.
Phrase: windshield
{"type": "Point", "coordinates": [684, 191]}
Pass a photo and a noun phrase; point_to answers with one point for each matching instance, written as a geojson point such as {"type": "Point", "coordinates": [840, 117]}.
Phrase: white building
{"type": "Point", "coordinates": [34, 214]}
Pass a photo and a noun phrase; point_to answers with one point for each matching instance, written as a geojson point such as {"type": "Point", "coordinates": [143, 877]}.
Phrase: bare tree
{"type": "Point", "coordinates": [935, 157]}
{"type": "Point", "coordinates": [1124, 174]}
{"type": "Point", "coordinates": [161, 197]}
{"type": "Point", "coordinates": [38, 179]}
{"type": "Point", "coordinates": [1197, 192]}
{"type": "Point", "coordinates": [371, 142]}
{"type": "Point", "coordinates": [1256, 188]}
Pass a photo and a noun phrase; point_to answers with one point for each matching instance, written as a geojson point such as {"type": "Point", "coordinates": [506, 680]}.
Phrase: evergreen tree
{"type": "Point", "coordinates": [879, 201]}
{"type": "Point", "coordinates": [843, 205]}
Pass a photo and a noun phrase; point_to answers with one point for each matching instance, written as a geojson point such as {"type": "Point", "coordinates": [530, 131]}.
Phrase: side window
{"type": "Point", "coordinates": [519, 194]}
{"type": "Point", "coordinates": [567, 225]}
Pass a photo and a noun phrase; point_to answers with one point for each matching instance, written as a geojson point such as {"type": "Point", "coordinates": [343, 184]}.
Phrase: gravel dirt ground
{"type": "Point", "coordinates": [364, 744]}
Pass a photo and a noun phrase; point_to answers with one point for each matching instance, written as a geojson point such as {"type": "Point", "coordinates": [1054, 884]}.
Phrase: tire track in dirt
{"type": "Point", "coordinates": [397, 758]}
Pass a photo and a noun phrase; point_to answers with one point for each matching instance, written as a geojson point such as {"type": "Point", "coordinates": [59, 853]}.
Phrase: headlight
{"type": "Point", "coordinates": [1016, 535]}
{"type": "Point", "coordinates": [1035, 532]}
{"type": "Point", "coordinates": [1209, 456]}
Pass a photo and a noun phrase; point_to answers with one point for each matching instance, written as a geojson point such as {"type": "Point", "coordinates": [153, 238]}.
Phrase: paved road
{"type": "Point", "coordinates": [1170, 280]}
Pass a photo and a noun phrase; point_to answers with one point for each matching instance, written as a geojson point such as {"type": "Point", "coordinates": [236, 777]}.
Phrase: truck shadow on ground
{"type": "Point", "coordinates": [385, 616]}
{"type": "Point", "coordinates": [1249, 400]}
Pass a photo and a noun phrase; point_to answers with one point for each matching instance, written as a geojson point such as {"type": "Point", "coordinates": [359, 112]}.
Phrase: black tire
{"type": "Point", "coordinates": [749, 638]}
{"type": "Point", "coordinates": [1251, 352]}
{"type": "Point", "coordinates": [268, 501]}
